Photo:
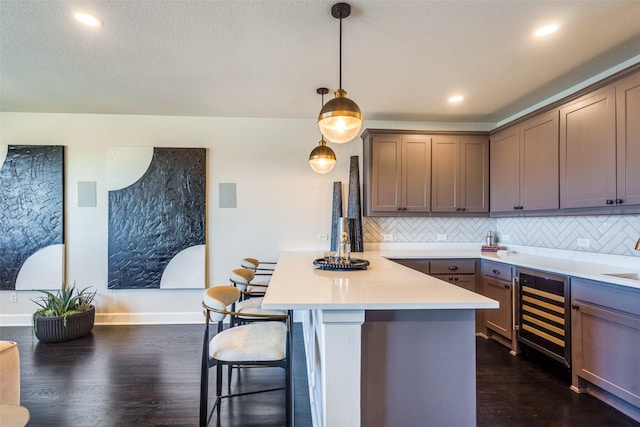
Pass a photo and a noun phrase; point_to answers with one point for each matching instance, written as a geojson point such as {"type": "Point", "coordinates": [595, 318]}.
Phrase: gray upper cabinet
{"type": "Point", "coordinates": [524, 166]}
{"type": "Point", "coordinates": [460, 174]}
{"type": "Point", "coordinates": [505, 170]}
{"type": "Point", "coordinates": [397, 173]}
{"type": "Point", "coordinates": [628, 140]}
{"type": "Point", "coordinates": [588, 150]}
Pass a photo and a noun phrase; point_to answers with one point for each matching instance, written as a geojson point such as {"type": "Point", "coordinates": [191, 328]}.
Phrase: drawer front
{"type": "Point", "coordinates": [604, 294]}
{"type": "Point", "coordinates": [497, 270]}
{"type": "Point", "coordinates": [453, 266]}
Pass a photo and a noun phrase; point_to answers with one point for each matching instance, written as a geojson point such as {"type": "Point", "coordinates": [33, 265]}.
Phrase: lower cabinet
{"type": "Point", "coordinates": [606, 343]}
{"type": "Point", "coordinates": [498, 320]}
{"type": "Point", "coordinates": [466, 281]}
{"type": "Point", "coordinates": [496, 283]}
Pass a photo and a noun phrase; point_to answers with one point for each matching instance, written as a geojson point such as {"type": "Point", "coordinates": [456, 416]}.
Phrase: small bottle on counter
{"type": "Point", "coordinates": [489, 239]}
{"type": "Point", "coordinates": [344, 253]}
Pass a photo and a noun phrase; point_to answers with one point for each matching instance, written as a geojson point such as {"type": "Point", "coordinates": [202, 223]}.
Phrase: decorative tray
{"type": "Point", "coordinates": [352, 264]}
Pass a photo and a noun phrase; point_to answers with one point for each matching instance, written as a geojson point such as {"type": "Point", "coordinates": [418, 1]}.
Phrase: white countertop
{"type": "Point", "coordinates": [296, 284]}
{"type": "Point", "coordinates": [385, 285]}
{"type": "Point", "coordinates": [560, 262]}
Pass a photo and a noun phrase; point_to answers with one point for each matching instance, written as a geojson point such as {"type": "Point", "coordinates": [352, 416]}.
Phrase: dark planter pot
{"type": "Point", "coordinates": [52, 329]}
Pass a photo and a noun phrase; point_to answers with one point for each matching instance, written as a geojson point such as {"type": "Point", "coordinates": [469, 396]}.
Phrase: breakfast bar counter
{"type": "Point", "coordinates": [385, 346]}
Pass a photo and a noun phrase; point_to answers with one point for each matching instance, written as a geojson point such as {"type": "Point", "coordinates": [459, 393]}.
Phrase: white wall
{"type": "Point", "coordinates": [282, 203]}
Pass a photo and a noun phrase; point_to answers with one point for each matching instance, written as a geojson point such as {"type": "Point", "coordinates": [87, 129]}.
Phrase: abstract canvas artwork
{"type": "Point", "coordinates": [156, 218]}
{"type": "Point", "coordinates": [31, 217]}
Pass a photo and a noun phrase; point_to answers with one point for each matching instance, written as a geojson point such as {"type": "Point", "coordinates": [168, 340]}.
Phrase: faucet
{"type": "Point", "coordinates": [638, 245]}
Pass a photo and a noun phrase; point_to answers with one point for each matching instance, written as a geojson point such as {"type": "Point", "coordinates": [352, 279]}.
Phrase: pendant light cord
{"type": "Point", "coordinates": [340, 62]}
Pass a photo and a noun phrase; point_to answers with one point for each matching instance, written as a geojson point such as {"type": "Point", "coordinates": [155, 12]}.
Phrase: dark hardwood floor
{"type": "Point", "coordinates": [533, 391]}
{"type": "Point", "coordinates": [149, 375]}
{"type": "Point", "coordinates": [142, 375]}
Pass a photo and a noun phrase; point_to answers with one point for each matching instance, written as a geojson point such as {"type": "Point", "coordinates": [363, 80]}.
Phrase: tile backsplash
{"type": "Point", "coordinates": [426, 230]}
{"type": "Point", "coordinates": [610, 234]}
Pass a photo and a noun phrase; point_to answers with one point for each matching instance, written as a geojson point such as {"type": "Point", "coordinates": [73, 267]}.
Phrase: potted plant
{"type": "Point", "coordinates": [65, 315]}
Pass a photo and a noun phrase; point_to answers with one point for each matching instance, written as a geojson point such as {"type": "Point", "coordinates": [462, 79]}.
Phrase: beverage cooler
{"type": "Point", "coordinates": [543, 313]}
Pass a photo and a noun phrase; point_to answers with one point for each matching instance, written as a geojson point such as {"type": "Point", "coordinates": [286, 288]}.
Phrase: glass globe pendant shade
{"type": "Point", "coordinates": [340, 119]}
{"type": "Point", "coordinates": [322, 159]}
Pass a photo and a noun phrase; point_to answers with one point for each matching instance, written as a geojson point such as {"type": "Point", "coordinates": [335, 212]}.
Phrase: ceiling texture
{"type": "Point", "coordinates": [402, 60]}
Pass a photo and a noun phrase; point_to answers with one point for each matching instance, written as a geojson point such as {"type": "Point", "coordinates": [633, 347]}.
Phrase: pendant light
{"type": "Point", "coordinates": [340, 119]}
{"type": "Point", "coordinates": [322, 159]}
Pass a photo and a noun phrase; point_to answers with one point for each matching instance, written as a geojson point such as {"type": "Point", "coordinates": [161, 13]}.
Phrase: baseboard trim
{"type": "Point", "coordinates": [119, 319]}
{"type": "Point", "coordinates": [168, 318]}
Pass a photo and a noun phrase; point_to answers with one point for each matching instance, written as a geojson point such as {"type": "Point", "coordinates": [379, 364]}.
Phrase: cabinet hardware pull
{"type": "Point", "coordinates": [575, 306]}
{"type": "Point", "coordinates": [619, 201]}
{"type": "Point", "coordinates": [507, 286]}
{"type": "Point", "coordinates": [453, 267]}
{"type": "Point", "coordinates": [515, 208]}
{"type": "Point", "coordinates": [609, 201]}
{"type": "Point", "coordinates": [496, 271]}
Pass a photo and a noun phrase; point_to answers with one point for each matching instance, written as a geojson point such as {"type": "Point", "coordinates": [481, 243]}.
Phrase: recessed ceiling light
{"type": "Point", "coordinates": [456, 98]}
{"type": "Point", "coordinates": [88, 20]}
{"type": "Point", "coordinates": [546, 30]}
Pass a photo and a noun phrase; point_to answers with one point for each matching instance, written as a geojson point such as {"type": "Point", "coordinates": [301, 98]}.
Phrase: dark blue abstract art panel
{"type": "Point", "coordinates": [31, 206]}
{"type": "Point", "coordinates": [154, 219]}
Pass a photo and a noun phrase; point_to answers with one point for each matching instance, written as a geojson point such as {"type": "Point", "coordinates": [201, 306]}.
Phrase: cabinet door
{"type": "Point", "coordinates": [539, 164]}
{"type": "Point", "coordinates": [473, 194]}
{"type": "Point", "coordinates": [416, 174]}
{"type": "Point", "coordinates": [498, 320]}
{"type": "Point", "coordinates": [505, 175]}
{"type": "Point", "coordinates": [465, 281]}
{"type": "Point", "coordinates": [606, 344]}
{"type": "Point", "coordinates": [386, 173]}
{"type": "Point", "coordinates": [588, 151]}
{"type": "Point", "coordinates": [628, 140]}
{"type": "Point", "coordinates": [445, 173]}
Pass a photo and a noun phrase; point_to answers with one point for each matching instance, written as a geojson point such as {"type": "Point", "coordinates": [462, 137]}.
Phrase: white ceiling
{"type": "Point", "coordinates": [401, 59]}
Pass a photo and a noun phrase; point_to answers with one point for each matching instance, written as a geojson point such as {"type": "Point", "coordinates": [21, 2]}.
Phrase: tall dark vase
{"type": "Point", "coordinates": [354, 209]}
{"type": "Point", "coordinates": [336, 214]}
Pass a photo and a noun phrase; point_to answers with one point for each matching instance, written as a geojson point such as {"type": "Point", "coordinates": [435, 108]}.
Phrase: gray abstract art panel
{"type": "Point", "coordinates": [155, 218]}
{"type": "Point", "coordinates": [31, 207]}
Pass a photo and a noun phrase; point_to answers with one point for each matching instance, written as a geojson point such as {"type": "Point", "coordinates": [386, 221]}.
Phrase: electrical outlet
{"type": "Point", "coordinates": [387, 237]}
{"type": "Point", "coordinates": [13, 297]}
{"type": "Point", "coordinates": [583, 243]}
{"type": "Point", "coordinates": [323, 236]}
{"type": "Point", "coordinates": [442, 237]}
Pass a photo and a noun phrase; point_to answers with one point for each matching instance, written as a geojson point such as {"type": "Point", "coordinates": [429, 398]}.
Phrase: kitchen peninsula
{"type": "Point", "coordinates": [384, 346]}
